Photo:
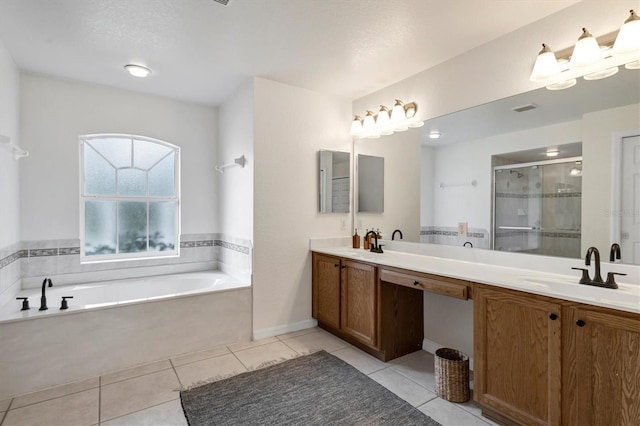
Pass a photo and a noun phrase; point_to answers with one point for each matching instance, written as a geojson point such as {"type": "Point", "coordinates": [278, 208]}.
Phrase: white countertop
{"type": "Point", "coordinates": [625, 298]}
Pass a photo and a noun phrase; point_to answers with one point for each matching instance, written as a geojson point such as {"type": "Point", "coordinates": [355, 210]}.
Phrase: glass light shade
{"type": "Point", "coordinates": [563, 85]}
{"type": "Point", "coordinates": [397, 113]}
{"type": "Point", "coordinates": [137, 70]}
{"type": "Point", "coordinates": [415, 124]}
{"type": "Point", "coordinates": [586, 51]}
{"type": "Point", "coordinates": [546, 65]}
{"type": "Point", "coordinates": [382, 122]}
{"type": "Point", "coordinates": [369, 123]}
{"type": "Point", "coordinates": [356, 125]}
{"type": "Point", "coordinates": [599, 75]}
{"type": "Point", "coordinates": [635, 65]}
{"type": "Point", "coordinates": [575, 171]}
{"type": "Point", "coordinates": [628, 39]}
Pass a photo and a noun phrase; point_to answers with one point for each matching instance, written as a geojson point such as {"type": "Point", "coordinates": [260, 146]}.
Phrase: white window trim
{"type": "Point", "coordinates": [84, 259]}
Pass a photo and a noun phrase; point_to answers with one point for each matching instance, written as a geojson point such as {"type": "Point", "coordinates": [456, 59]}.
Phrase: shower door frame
{"type": "Point", "coordinates": [518, 166]}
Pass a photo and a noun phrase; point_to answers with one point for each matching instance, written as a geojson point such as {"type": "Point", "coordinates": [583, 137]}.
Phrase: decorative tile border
{"type": "Point", "coordinates": [450, 233]}
{"type": "Point", "coordinates": [536, 233]}
{"type": "Point", "coordinates": [545, 195]}
{"type": "Point", "coordinates": [67, 251]}
{"type": "Point", "coordinates": [231, 246]}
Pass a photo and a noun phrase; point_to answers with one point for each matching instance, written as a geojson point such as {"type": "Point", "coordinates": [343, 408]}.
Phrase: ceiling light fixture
{"type": "Point", "coordinates": [137, 70]}
{"type": "Point", "coordinates": [590, 58]}
{"type": "Point", "coordinates": [434, 134]}
{"type": "Point", "coordinates": [552, 153]}
{"type": "Point", "coordinates": [577, 169]}
{"type": "Point", "coordinates": [387, 121]}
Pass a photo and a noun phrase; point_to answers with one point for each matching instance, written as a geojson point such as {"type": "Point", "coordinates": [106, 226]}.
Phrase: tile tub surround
{"type": "Point", "coordinates": [148, 393]}
{"type": "Point", "coordinates": [60, 259]}
{"type": "Point", "coordinates": [85, 344]}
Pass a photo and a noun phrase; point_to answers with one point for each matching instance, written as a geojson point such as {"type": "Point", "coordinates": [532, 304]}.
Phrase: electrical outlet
{"type": "Point", "coordinates": [343, 224]}
{"type": "Point", "coordinates": [462, 229]}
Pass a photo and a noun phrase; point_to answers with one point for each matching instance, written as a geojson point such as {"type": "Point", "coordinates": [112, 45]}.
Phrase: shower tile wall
{"type": "Point", "coordinates": [32, 260]}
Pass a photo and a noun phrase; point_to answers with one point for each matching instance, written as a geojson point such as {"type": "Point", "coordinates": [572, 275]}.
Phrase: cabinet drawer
{"type": "Point", "coordinates": [433, 283]}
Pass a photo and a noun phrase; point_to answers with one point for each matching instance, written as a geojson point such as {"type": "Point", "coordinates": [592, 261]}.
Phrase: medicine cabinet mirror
{"type": "Point", "coordinates": [334, 181]}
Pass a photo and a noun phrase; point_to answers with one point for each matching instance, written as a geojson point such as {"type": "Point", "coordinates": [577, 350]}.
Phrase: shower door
{"type": "Point", "coordinates": [537, 208]}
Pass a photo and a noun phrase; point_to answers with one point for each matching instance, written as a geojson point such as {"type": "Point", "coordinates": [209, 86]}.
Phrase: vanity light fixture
{"type": "Point", "coordinates": [137, 70]}
{"type": "Point", "coordinates": [590, 58]}
{"type": "Point", "coordinates": [387, 121]}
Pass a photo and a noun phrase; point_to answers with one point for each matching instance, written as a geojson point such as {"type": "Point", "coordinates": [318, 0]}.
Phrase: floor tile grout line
{"type": "Point", "coordinates": [173, 367]}
{"type": "Point", "coordinates": [47, 399]}
{"type": "Point", "coordinates": [241, 363]}
{"type": "Point", "coordinates": [134, 377]}
{"type": "Point", "coordinates": [4, 415]}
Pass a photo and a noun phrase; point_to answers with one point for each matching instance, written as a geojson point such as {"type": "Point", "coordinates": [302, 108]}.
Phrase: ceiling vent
{"type": "Point", "coordinates": [524, 108]}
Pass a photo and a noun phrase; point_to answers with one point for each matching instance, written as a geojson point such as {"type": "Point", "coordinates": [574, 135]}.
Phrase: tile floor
{"type": "Point", "coordinates": [149, 394]}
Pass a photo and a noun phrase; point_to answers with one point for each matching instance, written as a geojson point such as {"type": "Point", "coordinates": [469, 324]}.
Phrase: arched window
{"type": "Point", "coordinates": [130, 197]}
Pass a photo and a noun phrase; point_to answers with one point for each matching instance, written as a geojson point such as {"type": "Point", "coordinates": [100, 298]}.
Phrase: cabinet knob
{"type": "Point", "coordinates": [336, 265]}
{"type": "Point", "coordinates": [553, 317]}
{"type": "Point", "coordinates": [580, 323]}
{"type": "Point", "coordinates": [416, 283]}
{"type": "Point", "coordinates": [344, 266]}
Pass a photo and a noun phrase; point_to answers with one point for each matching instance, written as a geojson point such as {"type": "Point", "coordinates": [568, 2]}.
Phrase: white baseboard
{"type": "Point", "coordinates": [282, 329]}
{"type": "Point", "coordinates": [431, 347]}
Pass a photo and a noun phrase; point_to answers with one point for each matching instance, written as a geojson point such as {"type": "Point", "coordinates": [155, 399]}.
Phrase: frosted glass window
{"type": "Point", "coordinates": [132, 232]}
{"type": "Point", "coordinates": [99, 175]}
{"type": "Point", "coordinates": [129, 198]}
{"type": "Point", "coordinates": [100, 227]}
{"type": "Point", "coordinates": [147, 154]}
{"type": "Point", "coordinates": [132, 182]}
{"type": "Point", "coordinates": [162, 178]}
{"type": "Point", "coordinates": [162, 226]}
{"type": "Point", "coordinates": [116, 150]}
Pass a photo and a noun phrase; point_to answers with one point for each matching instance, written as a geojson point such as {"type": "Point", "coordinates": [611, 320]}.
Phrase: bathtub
{"type": "Point", "coordinates": [114, 325]}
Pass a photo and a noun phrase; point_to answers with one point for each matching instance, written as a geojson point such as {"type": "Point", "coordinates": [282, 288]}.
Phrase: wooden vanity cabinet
{"type": "Point", "coordinates": [517, 355]}
{"type": "Point", "coordinates": [601, 367]}
{"type": "Point", "coordinates": [350, 301]}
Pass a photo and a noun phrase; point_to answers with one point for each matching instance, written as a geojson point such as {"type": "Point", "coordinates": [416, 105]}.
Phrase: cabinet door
{"type": "Point", "coordinates": [359, 299]}
{"type": "Point", "coordinates": [606, 353]}
{"type": "Point", "coordinates": [517, 353]}
{"type": "Point", "coordinates": [326, 290]}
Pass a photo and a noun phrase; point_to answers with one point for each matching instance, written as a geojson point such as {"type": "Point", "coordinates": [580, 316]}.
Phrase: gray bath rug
{"type": "Point", "coordinates": [317, 389]}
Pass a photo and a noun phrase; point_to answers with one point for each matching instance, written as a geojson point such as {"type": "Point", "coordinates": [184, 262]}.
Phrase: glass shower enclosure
{"type": "Point", "coordinates": [537, 207]}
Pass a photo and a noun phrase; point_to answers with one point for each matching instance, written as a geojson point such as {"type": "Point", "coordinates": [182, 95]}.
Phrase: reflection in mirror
{"type": "Point", "coordinates": [458, 168]}
{"type": "Point", "coordinates": [334, 181]}
{"type": "Point", "coordinates": [537, 205]}
{"type": "Point", "coordinates": [370, 184]}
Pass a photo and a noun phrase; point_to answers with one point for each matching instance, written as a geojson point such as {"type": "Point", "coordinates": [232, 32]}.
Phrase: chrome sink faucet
{"type": "Point", "coordinates": [43, 299]}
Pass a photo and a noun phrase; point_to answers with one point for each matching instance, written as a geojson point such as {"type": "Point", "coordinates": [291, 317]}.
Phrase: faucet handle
{"type": "Point", "coordinates": [585, 275]}
{"type": "Point", "coordinates": [380, 248]}
{"type": "Point", "coordinates": [25, 303]}
{"type": "Point", "coordinates": [611, 282]}
{"type": "Point", "coordinates": [65, 304]}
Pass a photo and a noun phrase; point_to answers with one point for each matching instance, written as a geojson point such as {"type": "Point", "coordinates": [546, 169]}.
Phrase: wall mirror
{"type": "Point", "coordinates": [334, 181]}
{"type": "Point", "coordinates": [370, 184]}
{"type": "Point", "coordinates": [457, 169]}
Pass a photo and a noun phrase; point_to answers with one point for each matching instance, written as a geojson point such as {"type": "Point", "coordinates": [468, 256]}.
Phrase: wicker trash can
{"type": "Point", "coordinates": [452, 375]}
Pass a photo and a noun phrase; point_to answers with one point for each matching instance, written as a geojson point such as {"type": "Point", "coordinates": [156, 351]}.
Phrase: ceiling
{"type": "Point", "coordinates": [201, 50]}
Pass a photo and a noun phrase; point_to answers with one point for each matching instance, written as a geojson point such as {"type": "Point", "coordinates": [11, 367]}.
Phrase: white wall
{"type": "Point", "coordinates": [235, 198]}
{"type": "Point", "coordinates": [291, 126]}
{"type": "Point", "coordinates": [54, 112]}
{"type": "Point", "coordinates": [401, 152]}
{"type": "Point", "coordinates": [9, 175]}
{"type": "Point", "coordinates": [598, 131]}
{"type": "Point", "coordinates": [9, 183]}
{"type": "Point", "coordinates": [492, 71]}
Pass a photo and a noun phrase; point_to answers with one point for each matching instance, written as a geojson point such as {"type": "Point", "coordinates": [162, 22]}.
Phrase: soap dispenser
{"type": "Point", "coordinates": [366, 244]}
{"type": "Point", "coordinates": [356, 240]}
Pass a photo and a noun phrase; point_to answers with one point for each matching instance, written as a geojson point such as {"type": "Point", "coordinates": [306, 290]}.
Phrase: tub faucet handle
{"type": "Point", "coordinates": [65, 304]}
{"type": "Point", "coordinates": [25, 303]}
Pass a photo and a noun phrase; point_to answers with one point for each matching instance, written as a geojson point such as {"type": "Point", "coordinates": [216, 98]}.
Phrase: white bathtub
{"type": "Point", "coordinates": [118, 292]}
{"type": "Point", "coordinates": [115, 325]}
